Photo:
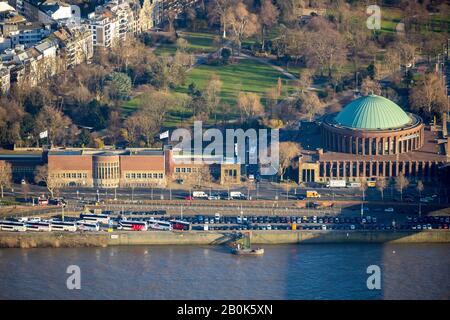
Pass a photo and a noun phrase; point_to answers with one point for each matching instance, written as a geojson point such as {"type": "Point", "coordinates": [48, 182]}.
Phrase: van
{"type": "Point", "coordinates": [237, 195]}
{"type": "Point", "coordinates": [200, 195]}
{"type": "Point", "coordinates": [312, 194]}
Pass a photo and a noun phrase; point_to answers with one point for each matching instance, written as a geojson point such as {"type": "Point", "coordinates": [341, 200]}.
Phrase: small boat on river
{"type": "Point", "coordinates": [246, 249]}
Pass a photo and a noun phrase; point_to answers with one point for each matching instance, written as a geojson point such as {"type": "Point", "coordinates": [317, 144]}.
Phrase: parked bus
{"type": "Point", "coordinates": [88, 225]}
{"type": "Point", "coordinates": [160, 225]}
{"type": "Point", "coordinates": [12, 226]}
{"type": "Point", "coordinates": [180, 225]}
{"type": "Point", "coordinates": [42, 201]}
{"type": "Point", "coordinates": [64, 226]}
{"type": "Point", "coordinates": [100, 218]}
{"type": "Point", "coordinates": [39, 226]}
{"type": "Point", "coordinates": [131, 225]}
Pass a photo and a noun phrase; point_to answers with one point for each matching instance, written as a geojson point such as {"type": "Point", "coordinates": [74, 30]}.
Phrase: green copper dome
{"type": "Point", "coordinates": [372, 112]}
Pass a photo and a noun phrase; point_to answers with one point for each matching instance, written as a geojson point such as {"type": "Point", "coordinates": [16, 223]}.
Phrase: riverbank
{"type": "Point", "coordinates": [103, 239]}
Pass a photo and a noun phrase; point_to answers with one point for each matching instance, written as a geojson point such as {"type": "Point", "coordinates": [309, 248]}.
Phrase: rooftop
{"type": "Point", "coordinates": [372, 112]}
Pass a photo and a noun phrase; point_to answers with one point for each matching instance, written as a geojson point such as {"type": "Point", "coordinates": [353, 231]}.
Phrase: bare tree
{"type": "Point", "coordinates": [25, 191]}
{"type": "Point", "coordinates": [241, 22]}
{"type": "Point", "coordinates": [288, 151]}
{"type": "Point", "coordinates": [420, 187]}
{"type": "Point", "coordinates": [42, 175]}
{"type": "Point", "coordinates": [268, 16]}
{"type": "Point", "coordinates": [5, 175]}
{"type": "Point", "coordinates": [217, 10]}
{"type": "Point", "coordinates": [324, 46]}
{"type": "Point", "coordinates": [429, 95]}
{"type": "Point", "coordinates": [381, 186]}
{"type": "Point", "coordinates": [401, 182]}
{"type": "Point", "coordinates": [55, 122]}
{"type": "Point", "coordinates": [212, 93]}
{"type": "Point", "coordinates": [370, 86]}
{"type": "Point", "coordinates": [305, 80]}
{"type": "Point", "coordinates": [249, 105]}
{"type": "Point", "coordinates": [311, 104]}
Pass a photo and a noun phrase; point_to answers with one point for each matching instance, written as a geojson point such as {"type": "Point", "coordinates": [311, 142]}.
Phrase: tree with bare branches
{"type": "Point", "coordinates": [5, 175]}
{"type": "Point", "coordinates": [268, 16]}
{"type": "Point", "coordinates": [429, 95]}
{"type": "Point", "coordinates": [381, 186]}
{"type": "Point", "coordinates": [288, 152]}
{"type": "Point", "coordinates": [241, 22]}
{"type": "Point", "coordinates": [42, 175]}
{"type": "Point", "coordinates": [401, 183]}
{"type": "Point", "coordinates": [249, 105]}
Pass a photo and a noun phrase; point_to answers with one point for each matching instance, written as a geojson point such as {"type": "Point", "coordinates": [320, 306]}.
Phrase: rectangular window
{"type": "Point", "coordinates": [177, 170]}
{"type": "Point", "coordinates": [161, 175]}
{"type": "Point", "coordinates": [138, 175]}
{"type": "Point", "coordinates": [133, 176]}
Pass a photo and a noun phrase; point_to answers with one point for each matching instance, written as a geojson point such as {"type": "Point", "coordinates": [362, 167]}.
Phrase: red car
{"type": "Point", "coordinates": [189, 198]}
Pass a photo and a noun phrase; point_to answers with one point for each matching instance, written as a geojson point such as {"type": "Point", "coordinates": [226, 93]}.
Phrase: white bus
{"type": "Point", "coordinates": [131, 225]}
{"type": "Point", "coordinates": [39, 226]}
{"type": "Point", "coordinates": [12, 226]}
{"type": "Point", "coordinates": [64, 226]}
{"type": "Point", "coordinates": [100, 218]}
{"type": "Point", "coordinates": [160, 225]}
{"type": "Point", "coordinates": [88, 225]}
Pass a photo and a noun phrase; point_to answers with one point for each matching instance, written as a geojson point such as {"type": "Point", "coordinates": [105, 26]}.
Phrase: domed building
{"type": "Point", "coordinates": [371, 137]}
{"type": "Point", "coordinates": [372, 125]}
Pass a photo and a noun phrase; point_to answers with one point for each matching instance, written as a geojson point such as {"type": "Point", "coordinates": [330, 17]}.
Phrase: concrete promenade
{"type": "Point", "coordinates": [260, 237]}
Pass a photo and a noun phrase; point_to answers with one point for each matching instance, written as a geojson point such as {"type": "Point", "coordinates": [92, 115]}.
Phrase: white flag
{"type": "Point", "coordinates": [44, 134]}
{"type": "Point", "coordinates": [164, 135]}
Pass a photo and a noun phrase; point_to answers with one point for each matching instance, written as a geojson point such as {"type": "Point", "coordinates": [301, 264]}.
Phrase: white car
{"type": "Point", "coordinates": [352, 227]}
{"type": "Point", "coordinates": [324, 227]}
{"type": "Point", "coordinates": [389, 210]}
{"type": "Point", "coordinates": [269, 227]}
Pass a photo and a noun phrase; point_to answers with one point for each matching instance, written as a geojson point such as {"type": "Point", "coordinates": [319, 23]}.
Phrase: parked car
{"type": "Point", "coordinates": [389, 210]}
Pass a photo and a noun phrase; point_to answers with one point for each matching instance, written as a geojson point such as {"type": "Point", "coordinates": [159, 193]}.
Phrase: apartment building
{"type": "Point", "coordinates": [75, 45]}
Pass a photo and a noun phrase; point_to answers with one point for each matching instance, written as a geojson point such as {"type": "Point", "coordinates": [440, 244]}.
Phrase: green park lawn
{"type": "Point", "coordinates": [198, 42]}
{"type": "Point", "coordinates": [247, 75]}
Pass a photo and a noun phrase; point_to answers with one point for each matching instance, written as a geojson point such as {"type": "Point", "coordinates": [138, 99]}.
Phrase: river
{"type": "Point", "coordinates": [328, 271]}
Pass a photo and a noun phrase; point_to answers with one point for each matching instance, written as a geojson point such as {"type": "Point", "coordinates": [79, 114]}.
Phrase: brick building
{"type": "Point", "coordinates": [107, 169]}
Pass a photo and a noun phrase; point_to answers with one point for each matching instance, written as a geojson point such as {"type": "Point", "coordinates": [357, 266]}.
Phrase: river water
{"type": "Point", "coordinates": [203, 272]}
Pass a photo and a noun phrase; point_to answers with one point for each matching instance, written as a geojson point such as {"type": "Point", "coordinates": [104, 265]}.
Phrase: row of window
{"type": "Point", "coordinates": [68, 175]}
{"type": "Point", "coordinates": [186, 170]}
{"type": "Point", "coordinates": [144, 175]}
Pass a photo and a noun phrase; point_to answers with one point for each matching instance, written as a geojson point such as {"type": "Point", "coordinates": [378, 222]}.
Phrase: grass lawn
{"type": "Point", "coordinates": [247, 75]}
{"type": "Point", "coordinates": [198, 43]}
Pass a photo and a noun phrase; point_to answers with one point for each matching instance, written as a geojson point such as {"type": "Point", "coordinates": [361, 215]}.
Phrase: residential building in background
{"type": "Point", "coordinates": [75, 45]}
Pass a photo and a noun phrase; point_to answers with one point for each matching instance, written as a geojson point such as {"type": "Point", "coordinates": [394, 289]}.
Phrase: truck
{"type": "Point", "coordinates": [199, 195]}
{"type": "Point", "coordinates": [312, 194]}
{"type": "Point", "coordinates": [336, 183]}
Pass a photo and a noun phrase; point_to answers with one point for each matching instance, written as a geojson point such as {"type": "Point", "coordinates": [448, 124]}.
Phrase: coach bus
{"type": "Point", "coordinates": [12, 226]}
{"type": "Point", "coordinates": [64, 226]}
{"type": "Point", "coordinates": [88, 225]}
{"type": "Point", "coordinates": [160, 225]}
{"type": "Point", "coordinates": [180, 225]}
{"type": "Point", "coordinates": [39, 226]}
{"type": "Point", "coordinates": [131, 225]}
{"type": "Point", "coordinates": [100, 218]}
